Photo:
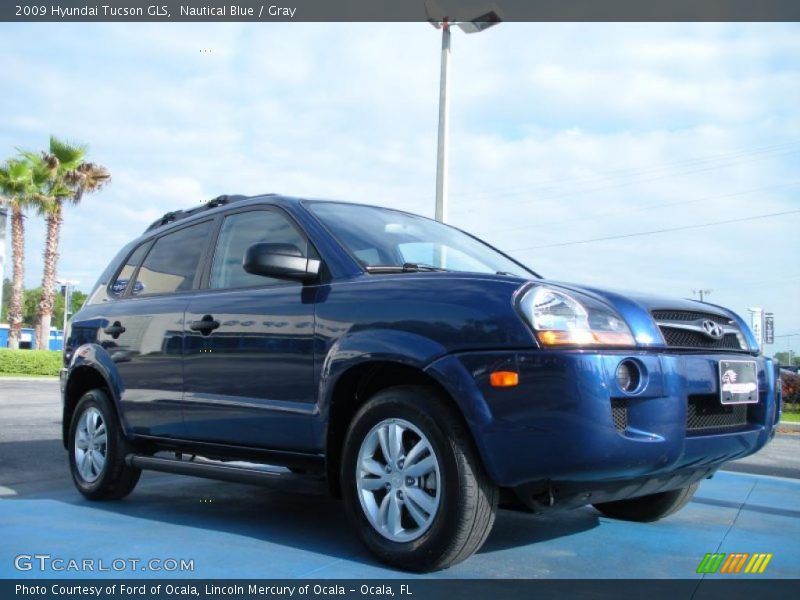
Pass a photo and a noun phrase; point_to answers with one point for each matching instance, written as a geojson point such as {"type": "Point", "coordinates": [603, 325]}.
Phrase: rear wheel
{"type": "Point", "coordinates": [413, 483]}
{"type": "Point", "coordinates": [97, 450]}
{"type": "Point", "coordinates": [648, 508]}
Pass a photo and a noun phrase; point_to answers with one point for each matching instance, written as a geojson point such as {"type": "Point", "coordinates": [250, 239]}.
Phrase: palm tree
{"type": "Point", "coordinates": [69, 177]}
{"type": "Point", "coordinates": [16, 191]}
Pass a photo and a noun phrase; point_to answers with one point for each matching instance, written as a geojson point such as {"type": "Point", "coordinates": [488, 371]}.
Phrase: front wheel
{"type": "Point", "coordinates": [412, 481]}
{"type": "Point", "coordinates": [97, 450]}
{"type": "Point", "coordinates": [648, 508]}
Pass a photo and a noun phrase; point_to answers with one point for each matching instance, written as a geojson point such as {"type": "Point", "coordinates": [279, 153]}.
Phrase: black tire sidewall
{"type": "Point", "coordinates": [99, 400]}
{"type": "Point", "coordinates": [401, 403]}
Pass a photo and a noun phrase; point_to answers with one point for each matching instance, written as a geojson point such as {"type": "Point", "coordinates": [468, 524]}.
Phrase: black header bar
{"type": "Point", "coordinates": [397, 10]}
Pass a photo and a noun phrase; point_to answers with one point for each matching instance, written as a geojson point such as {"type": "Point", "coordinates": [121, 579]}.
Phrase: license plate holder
{"type": "Point", "coordinates": [738, 382]}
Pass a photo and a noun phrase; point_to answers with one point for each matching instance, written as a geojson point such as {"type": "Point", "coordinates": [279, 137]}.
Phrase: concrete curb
{"type": "Point", "coordinates": [789, 427]}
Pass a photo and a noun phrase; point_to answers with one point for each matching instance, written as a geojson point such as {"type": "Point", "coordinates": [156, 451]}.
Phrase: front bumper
{"type": "Point", "coordinates": [557, 425]}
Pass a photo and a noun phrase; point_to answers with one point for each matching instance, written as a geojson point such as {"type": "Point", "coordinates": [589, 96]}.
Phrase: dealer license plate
{"type": "Point", "coordinates": [738, 382]}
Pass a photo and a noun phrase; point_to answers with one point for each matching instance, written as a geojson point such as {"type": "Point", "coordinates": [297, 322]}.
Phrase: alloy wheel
{"type": "Point", "coordinates": [90, 445]}
{"type": "Point", "coordinates": [398, 480]}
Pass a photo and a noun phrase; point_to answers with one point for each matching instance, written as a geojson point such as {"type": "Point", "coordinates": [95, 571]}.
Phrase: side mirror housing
{"type": "Point", "coordinates": [282, 261]}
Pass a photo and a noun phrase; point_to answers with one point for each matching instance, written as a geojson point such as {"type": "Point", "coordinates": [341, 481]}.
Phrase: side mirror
{"type": "Point", "coordinates": [282, 261]}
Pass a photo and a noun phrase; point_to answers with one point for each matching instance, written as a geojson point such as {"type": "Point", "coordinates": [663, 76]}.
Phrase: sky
{"type": "Point", "coordinates": [560, 134]}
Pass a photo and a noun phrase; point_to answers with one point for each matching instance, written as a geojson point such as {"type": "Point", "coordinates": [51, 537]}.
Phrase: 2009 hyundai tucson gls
{"type": "Point", "coordinates": [419, 372]}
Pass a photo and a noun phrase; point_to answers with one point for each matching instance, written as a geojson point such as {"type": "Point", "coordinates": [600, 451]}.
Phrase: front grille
{"type": "Point", "coordinates": [682, 338]}
{"type": "Point", "coordinates": [684, 329]}
{"type": "Point", "coordinates": [619, 414]}
{"type": "Point", "coordinates": [688, 315]}
{"type": "Point", "coordinates": [706, 412]}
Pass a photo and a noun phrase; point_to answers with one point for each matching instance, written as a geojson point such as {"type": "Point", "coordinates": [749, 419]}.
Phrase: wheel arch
{"type": "Point", "coordinates": [83, 377]}
{"type": "Point", "coordinates": [353, 388]}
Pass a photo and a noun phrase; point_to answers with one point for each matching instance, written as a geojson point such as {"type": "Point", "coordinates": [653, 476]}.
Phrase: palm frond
{"type": "Point", "coordinates": [45, 204]}
{"type": "Point", "coordinates": [95, 176]}
{"type": "Point", "coordinates": [86, 179]}
{"type": "Point", "coordinates": [43, 164]}
{"type": "Point", "coordinates": [15, 181]}
{"type": "Point", "coordinates": [40, 173]}
{"type": "Point", "coordinates": [69, 155]}
{"type": "Point", "coordinates": [38, 180]}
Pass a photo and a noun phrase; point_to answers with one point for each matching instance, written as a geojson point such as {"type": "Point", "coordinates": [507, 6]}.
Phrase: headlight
{"type": "Point", "coordinates": [559, 319]}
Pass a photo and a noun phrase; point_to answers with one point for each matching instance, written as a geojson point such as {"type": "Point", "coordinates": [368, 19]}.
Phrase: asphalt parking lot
{"type": "Point", "coordinates": [233, 530]}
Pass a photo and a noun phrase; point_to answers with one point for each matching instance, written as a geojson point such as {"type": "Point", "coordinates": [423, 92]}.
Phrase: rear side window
{"type": "Point", "coordinates": [239, 232]}
{"type": "Point", "coordinates": [172, 263]}
{"type": "Point", "coordinates": [117, 288]}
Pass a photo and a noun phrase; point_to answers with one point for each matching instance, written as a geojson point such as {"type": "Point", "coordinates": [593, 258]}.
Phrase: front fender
{"type": "Point", "coordinates": [414, 351]}
{"type": "Point", "coordinates": [384, 345]}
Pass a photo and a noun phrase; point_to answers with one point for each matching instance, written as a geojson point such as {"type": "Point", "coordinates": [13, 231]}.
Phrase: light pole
{"type": "Point", "coordinates": [757, 323]}
{"type": "Point", "coordinates": [3, 218]}
{"type": "Point", "coordinates": [67, 285]}
{"type": "Point", "coordinates": [439, 19]}
{"type": "Point", "coordinates": [702, 294]}
{"type": "Point", "coordinates": [443, 135]}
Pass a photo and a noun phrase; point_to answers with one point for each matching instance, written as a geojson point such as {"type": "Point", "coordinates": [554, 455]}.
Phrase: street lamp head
{"type": "Point", "coordinates": [458, 16]}
{"type": "Point", "coordinates": [480, 23]}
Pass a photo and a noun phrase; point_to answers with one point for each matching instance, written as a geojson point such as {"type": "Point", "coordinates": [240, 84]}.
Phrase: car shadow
{"type": "Point", "coordinates": [514, 529]}
{"type": "Point", "coordinates": [316, 523]}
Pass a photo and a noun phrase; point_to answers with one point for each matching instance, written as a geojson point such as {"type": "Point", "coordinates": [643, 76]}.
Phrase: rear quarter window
{"type": "Point", "coordinates": [117, 287]}
{"type": "Point", "coordinates": [171, 264]}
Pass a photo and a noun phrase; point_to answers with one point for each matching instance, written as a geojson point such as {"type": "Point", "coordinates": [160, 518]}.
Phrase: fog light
{"type": "Point", "coordinates": [628, 376]}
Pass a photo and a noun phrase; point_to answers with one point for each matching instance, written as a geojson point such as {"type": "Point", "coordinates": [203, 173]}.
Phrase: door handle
{"type": "Point", "coordinates": [205, 325]}
{"type": "Point", "coordinates": [115, 330]}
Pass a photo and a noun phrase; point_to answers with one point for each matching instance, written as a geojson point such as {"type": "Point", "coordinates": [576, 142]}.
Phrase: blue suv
{"type": "Point", "coordinates": [420, 374]}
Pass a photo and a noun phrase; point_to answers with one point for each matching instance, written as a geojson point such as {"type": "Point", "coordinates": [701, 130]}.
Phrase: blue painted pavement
{"type": "Point", "coordinates": [241, 531]}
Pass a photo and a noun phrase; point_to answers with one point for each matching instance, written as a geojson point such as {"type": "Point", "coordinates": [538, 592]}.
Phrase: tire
{"type": "Point", "coordinates": [413, 532]}
{"type": "Point", "coordinates": [648, 508]}
{"type": "Point", "coordinates": [103, 474]}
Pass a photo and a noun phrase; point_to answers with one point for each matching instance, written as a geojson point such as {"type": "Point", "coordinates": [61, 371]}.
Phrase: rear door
{"type": "Point", "coordinates": [143, 329]}
{"type": "Point", "coordinates": [248, 355]}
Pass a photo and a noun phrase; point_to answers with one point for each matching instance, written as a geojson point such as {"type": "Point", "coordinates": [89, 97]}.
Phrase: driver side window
{"type": "Point", "coordinates": [239, 232]}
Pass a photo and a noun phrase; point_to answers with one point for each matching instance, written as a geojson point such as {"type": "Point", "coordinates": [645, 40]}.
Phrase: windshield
{"type": "Point", "coordinates": [385, 240]}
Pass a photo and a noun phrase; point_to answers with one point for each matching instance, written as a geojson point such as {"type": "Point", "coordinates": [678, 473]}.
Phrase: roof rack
{"type": "Point", "coordinates": [177, 215]}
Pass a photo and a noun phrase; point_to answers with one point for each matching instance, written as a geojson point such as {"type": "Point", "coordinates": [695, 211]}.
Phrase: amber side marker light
{"type": "Point", "coordinates": [504, 379]}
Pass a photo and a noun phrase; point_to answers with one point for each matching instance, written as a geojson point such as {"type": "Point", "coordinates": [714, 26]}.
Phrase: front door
{"type": "Point", "coordinates": [248, 357]}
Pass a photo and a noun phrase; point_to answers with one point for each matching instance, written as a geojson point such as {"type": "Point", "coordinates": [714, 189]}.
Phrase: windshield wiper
{"type": "Point", "coordinates": [404, 268]}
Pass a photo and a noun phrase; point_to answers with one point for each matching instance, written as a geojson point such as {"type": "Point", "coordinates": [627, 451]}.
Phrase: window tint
{"type": "Point", "coordinates": [172, 263]}
{"type": "Point", "coordinates": [117, 288]}
{"type": "Point", "coordinates": [238, 233]}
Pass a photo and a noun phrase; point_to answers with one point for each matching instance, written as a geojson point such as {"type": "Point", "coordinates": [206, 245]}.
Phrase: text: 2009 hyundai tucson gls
{"type": "Point", "coordinates": [419, 371]}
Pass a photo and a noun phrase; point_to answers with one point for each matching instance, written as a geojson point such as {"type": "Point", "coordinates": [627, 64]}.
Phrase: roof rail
{"type": "Point", "coordinates": [177, 215]}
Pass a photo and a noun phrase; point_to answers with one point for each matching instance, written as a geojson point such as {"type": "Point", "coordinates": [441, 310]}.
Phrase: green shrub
{"type": "Point", "coordinates": [29, 362]}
